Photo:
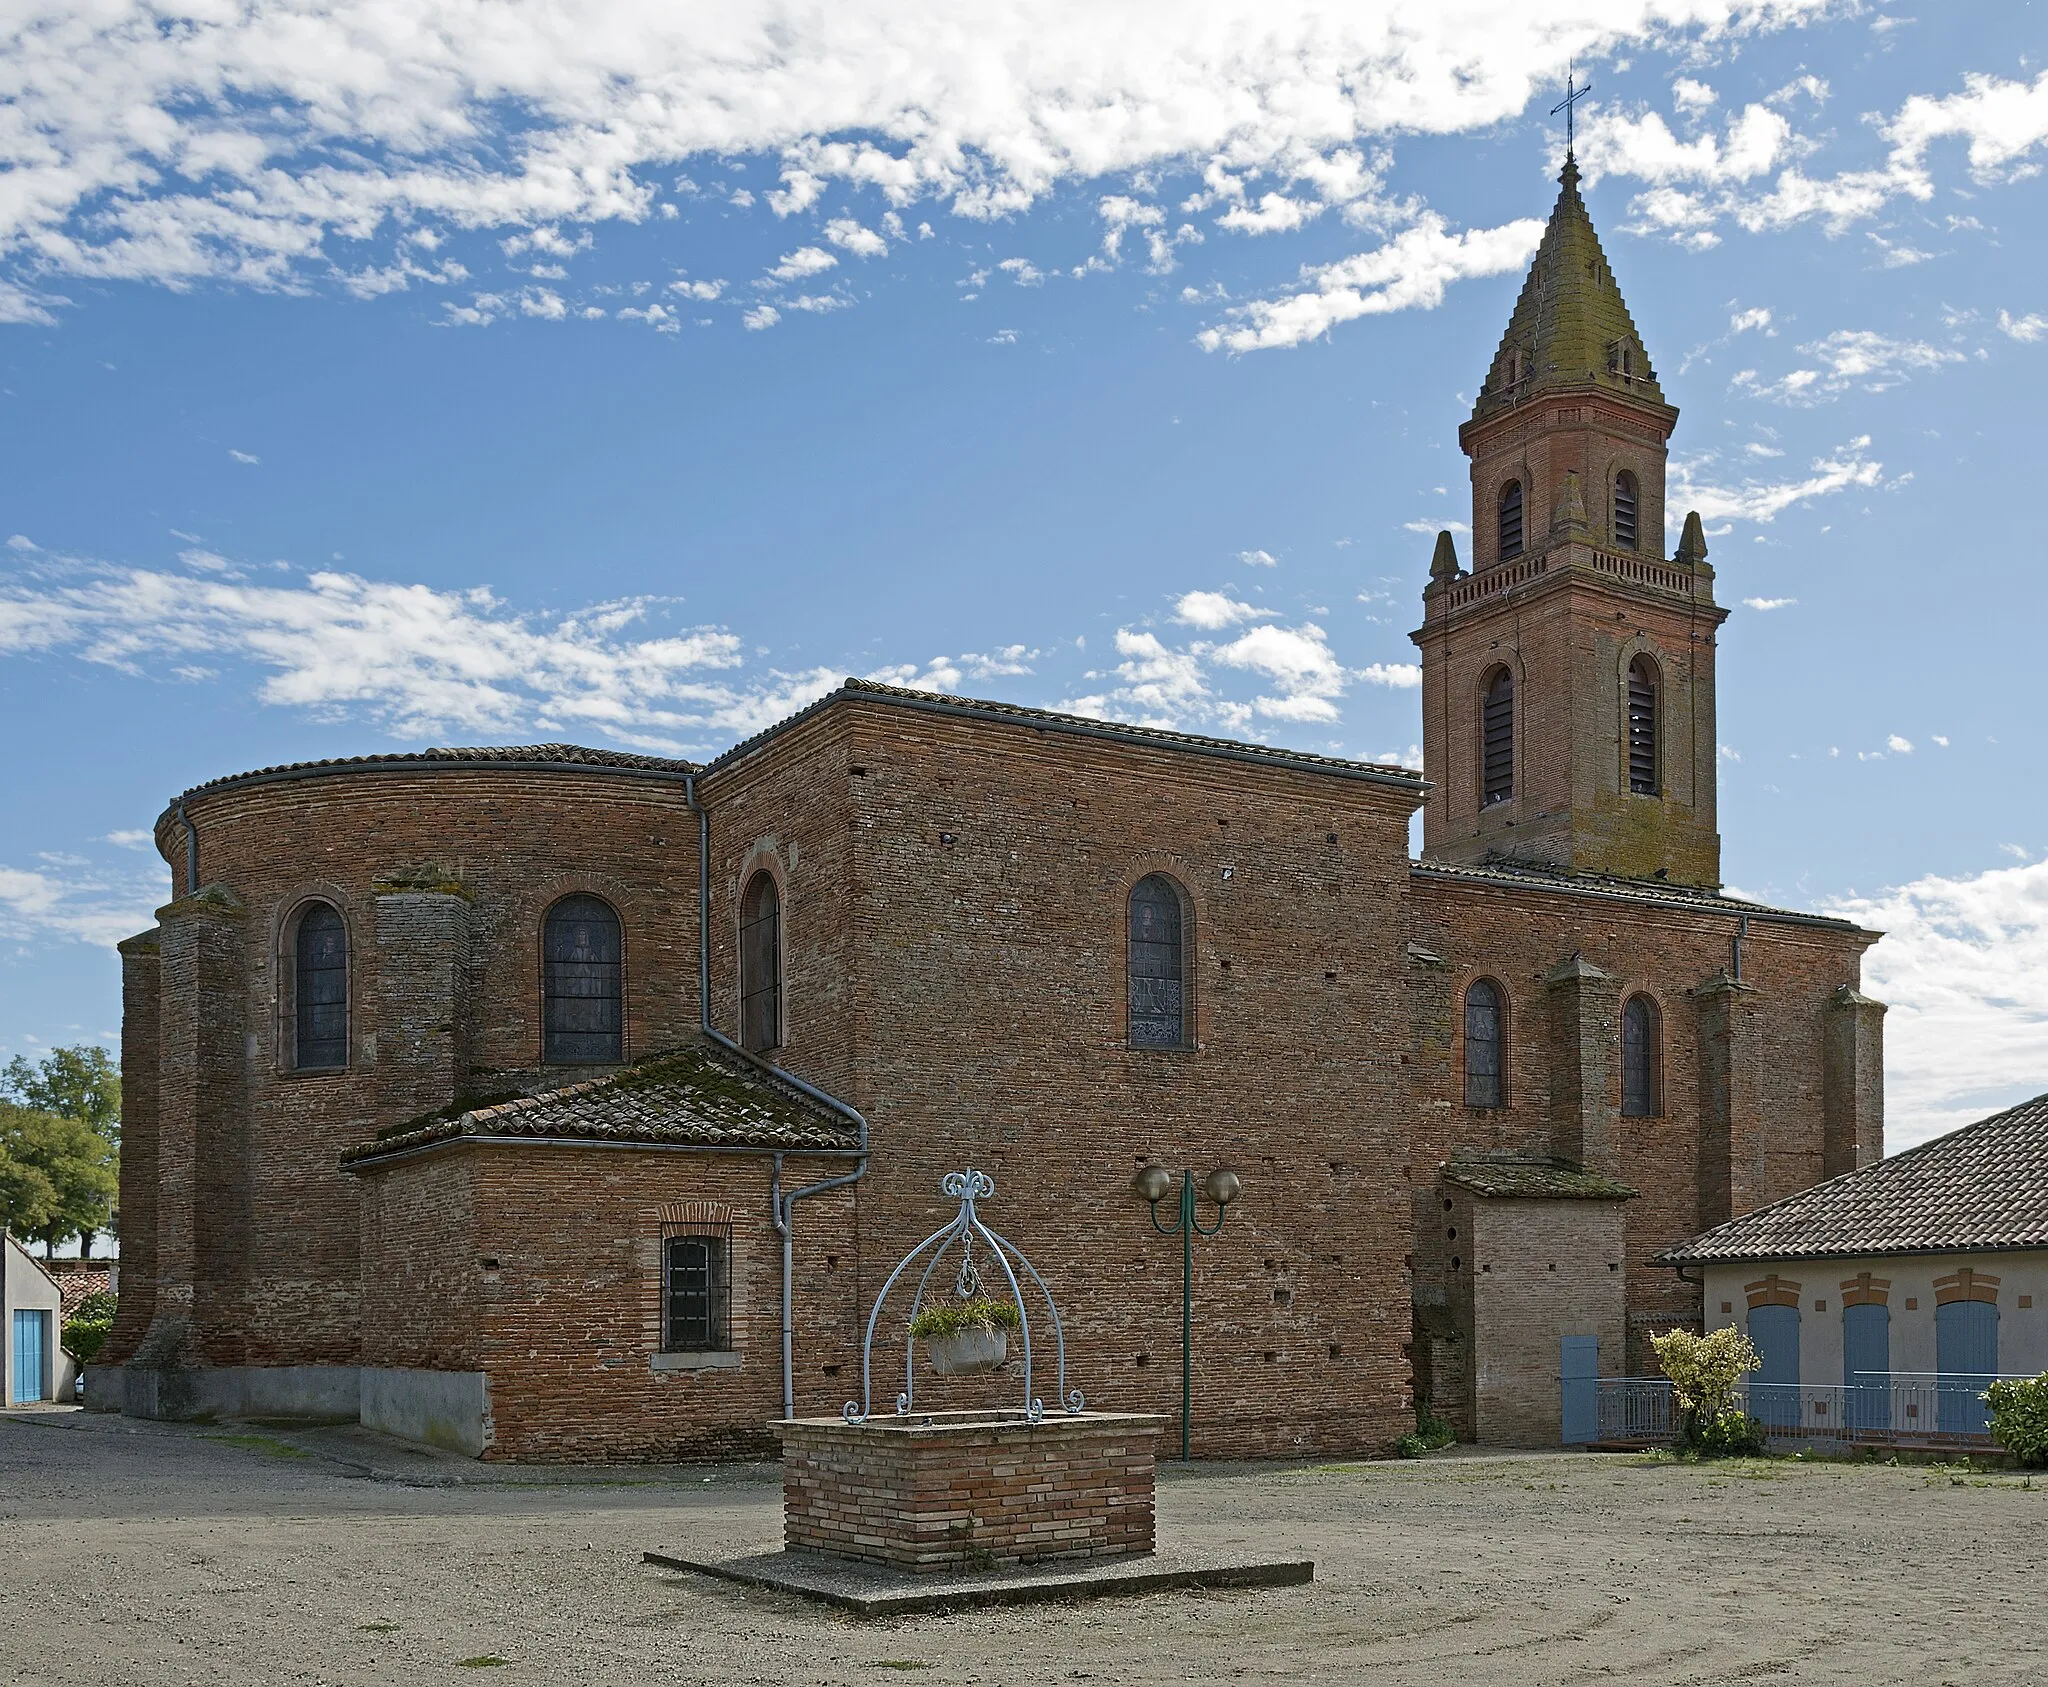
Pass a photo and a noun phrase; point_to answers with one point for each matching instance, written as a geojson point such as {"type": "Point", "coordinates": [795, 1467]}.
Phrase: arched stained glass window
{"type": "Point", "coordinates": [1640, 1059]}
{"type": "Point", "coordinates": [320, 989]}
{"type": "Point", "coordinates": [584, 1018]}
{"type": "Point", "coordinates": [1511, 520]}
{"type": "Point", "coordinates": [1497, 739]}
{"type": "Point", "coordinates": [1625, 510]}
{"type": "Point", "coordinates": [1642, 727]}
{"type": "Point", "coordinates": [1158, 981]}
{"type": "Point", "coordinates": [1485, 1045]}
{"type": "Point", "coordinates": [761, 964]}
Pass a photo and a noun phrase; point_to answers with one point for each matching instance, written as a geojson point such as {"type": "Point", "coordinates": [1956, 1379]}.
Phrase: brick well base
{"type": "Point", "coordinates": [967, 1490]}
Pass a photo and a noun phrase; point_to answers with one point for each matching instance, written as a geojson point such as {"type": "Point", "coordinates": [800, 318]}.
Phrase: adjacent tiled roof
{"type": "Point", "coordinates": [1082, 725]}
{"type": "Point", "coordinates": [699, 1096]}
{"type": "Point", "coordinates": [1533, 1180]}
{"type": "Point", "coordinates": [1607, 885]}
{"type": "Point", "coordinates": [1979, 1189]}
{"type": "Point", "coordinates": [530, 755]}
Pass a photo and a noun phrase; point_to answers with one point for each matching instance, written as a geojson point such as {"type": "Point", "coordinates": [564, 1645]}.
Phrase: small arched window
{"type": "Point", "coordinates": [761, 964]}
{"type": "Point", "coordinates": [1511, 520]}
{"type": "Point", "coordinates": [320, 989]}
{"type": "Point", "coordinates": [1625, 511]}
{"type": "Point", "coordinates": [1642, 727]}
{"type": "Point", "coordinates": [1497, 738]}
{"type": "Point", "coordinates": [1157, 979]}
{"type": "Point", "coordinates": [1640, 1059]}
{"type": "Point", "coordinates": [583, 1017]}
{"type": "Point", "coordinates": [1485, 1045]}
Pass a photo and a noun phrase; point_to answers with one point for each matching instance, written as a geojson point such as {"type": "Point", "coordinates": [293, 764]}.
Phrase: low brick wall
{"type": "Point", "coordinates": [969, 1490]}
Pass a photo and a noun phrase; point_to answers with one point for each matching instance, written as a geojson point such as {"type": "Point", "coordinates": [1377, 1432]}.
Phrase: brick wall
{"type": "Point", "coordinates": [928, 1496]}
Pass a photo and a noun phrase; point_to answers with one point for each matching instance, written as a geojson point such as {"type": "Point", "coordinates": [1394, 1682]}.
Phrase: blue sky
{"type": "Point", "coordinates": [375, 378]}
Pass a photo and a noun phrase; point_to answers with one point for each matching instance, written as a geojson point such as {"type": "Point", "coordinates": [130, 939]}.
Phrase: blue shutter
{"type": "Point", "coordinates": [1774, 1389]}
{"type": "Point", "coordinates": [1866, 1365]}
{"type": "Point", "coordinates": [31, 1331]}
{"type": "Point", "coordinates": [1966, 1355]}
{"type": "Point", "coordinates": [1579, 1382]}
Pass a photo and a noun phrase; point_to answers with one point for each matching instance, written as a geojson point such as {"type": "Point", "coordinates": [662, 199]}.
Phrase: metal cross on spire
{"type": "Point", "coordinates": [1572, 96]}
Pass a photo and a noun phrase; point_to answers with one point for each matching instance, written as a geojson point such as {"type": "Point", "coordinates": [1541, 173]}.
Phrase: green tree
{"type": "Point", "coordinates": [28, 1200]}
{"type": "Point", "coordinates": [81, 1083]}
{"type": "Point", "coordinates": [77, 1163]}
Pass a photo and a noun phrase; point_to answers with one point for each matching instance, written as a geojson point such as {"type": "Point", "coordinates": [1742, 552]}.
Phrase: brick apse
{"type": "Point", "coordinates": [486, 1094]}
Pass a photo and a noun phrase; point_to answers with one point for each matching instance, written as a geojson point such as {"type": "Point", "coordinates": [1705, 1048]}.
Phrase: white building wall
{"type": "Point", "coordinates": [25, 1286]}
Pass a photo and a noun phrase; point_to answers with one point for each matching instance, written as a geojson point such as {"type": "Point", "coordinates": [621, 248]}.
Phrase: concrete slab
{"type": "Point", "coordinates": [868, 1590]}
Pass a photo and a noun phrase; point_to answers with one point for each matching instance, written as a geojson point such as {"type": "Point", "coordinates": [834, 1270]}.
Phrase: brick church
{"type": "Point", "coordinates": [551, 1102]}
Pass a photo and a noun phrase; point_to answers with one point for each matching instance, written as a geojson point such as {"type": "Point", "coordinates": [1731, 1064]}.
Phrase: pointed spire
{"type": "Point", "coordinates": [1571, 326]}
{"type": "Point", "coordinates": [1443, 566]}
{"type": "Point", "coordinates": [1692, 542]}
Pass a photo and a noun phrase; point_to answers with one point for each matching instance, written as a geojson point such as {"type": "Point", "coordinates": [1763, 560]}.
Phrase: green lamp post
{"type": "Point", "coordinates": [1152, 1185]}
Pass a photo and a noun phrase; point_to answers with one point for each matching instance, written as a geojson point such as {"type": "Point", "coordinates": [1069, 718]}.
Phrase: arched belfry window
{"type": "Point", "coordinates": [1511, 520]}
{"type": "Point", "coordinates": [1642, 727]}
{"type": "Point", "coordinates": [1157, 966]}
{"type": "Point", "coordinates": [1497, 738]}
{"type": "Point", "coordinates": [319, 989]}
{"type": "Point", "coordinates": [1625, 511]}
{"type": "Point", "coordinates": [1486, 1045]}
{"type": "Point", "coordinates": [761, 963]}
{"type": "Point", "coordinates": [1640, 1059]}
{"type": "Point", "coordinates": [583, 1017]}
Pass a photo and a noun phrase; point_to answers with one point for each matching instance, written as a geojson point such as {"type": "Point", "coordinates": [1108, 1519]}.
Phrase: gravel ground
{"type": "Point", "coordinates": [153, 1553]}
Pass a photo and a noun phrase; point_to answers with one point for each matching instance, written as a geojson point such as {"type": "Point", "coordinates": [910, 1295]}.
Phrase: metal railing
{"type": "Point", "coordinates": [1918, 1410]}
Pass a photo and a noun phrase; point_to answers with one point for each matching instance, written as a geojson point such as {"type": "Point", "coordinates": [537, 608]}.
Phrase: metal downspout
{"type": "Point", "coordinates": [782, 1202]}
{"type": "Point", "coordinates": [191, 849]}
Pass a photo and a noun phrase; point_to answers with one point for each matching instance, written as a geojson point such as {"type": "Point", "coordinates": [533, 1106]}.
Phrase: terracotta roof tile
{"type": "Point", "coordinates": [1981, 1188]}
{"type": "Point", "coordinates": [1533, 1180]}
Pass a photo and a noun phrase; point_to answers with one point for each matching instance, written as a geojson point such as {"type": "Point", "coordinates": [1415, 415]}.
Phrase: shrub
{"type": "Point", "coordinates": [2019, 1417]}
{"type": "Point", "coordinates": [85, 1331]}
{"type": "Point", "coordinates": [1704, 1372]}
{"type": "Point", "coordinates": [951, 1317]}
{"type": "Point", "coordinates": [1430, 1433]}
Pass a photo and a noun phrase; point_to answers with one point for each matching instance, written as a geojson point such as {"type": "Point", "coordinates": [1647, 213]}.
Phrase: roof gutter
{"type": "Point", "coordinates": [781, 1201]}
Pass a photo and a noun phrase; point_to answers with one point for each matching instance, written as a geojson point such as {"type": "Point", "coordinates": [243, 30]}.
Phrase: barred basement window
{"type": "Point", "coordinates": [1497, 739]}
{"type": "Point", "coordinates": [1642, 727]}
{"type": "Point", "coordinates": [1156, 972]}
{"type": "Point", "coordinates": [320, 989]}
{"type": "Point", "coordinates": [761, 964]}
{"type": "Point", "coordinates": [1511, 520]}
{"type": "Point", "coordinates": [1625, 511]}
{"type": "Point", "coordinates": [583, 1019]}
{"type": "Point", "coordinates": [1485, 1045]}
{"type": "Point", "coordinates": [696, 1288]}
{"type": "Point", "coordinates": [1640, 1059]}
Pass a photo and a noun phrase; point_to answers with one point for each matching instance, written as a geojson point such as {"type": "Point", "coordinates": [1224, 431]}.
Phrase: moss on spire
{"type": "Point", "coordinates": [1571, 326]}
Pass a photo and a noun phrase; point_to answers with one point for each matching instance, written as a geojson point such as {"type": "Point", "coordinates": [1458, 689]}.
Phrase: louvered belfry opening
{"type": "Point", "coordinates": [1497, 739]}
{"type": "Point", "coordinates": [1625, 510]}
{"type": "Point", "coordinates": [761, 964]}
{"type": "Point", "coordinates": [1642, 727]}
{"type": "Point", "coordinates": [1511, 520]}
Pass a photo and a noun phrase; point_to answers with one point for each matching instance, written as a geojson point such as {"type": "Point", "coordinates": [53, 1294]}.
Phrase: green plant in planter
{"type": "Point", "coordinates": [955, 1317]}
{"type": "Point", "coordinates": [2019, 1417]}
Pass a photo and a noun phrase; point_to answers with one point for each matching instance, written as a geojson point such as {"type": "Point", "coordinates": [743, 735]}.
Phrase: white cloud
{"type": "Point", "coordinates": [1766, 604]}
{"type": "Point", "coordinates": [1755, 500]}
{"type": "Point", "coordinates": [1899, 746]}
{"type": "Point", "coordinates": [1432, 528]}
{"type": "Point", "coordinates": [816, 302]}
{"type": "Point", "coordinates": [761, 316]}
{"type": "Point", "coordinates": [851, 236]}
{"type": "Point", "coordinates": [1300, 665]}
{"type": "Point", "coordinates": [1743, 321]}
{"type": "Point", "coordinates": [1022, 271]}
{"type": "Point", "coordinates": [1402, 676]}
{"type": "Point", "coordinates": [1689, 95]}
{"type": "Point", "coordinates": [1964, 969]}
{"type": "Point", "coordinates": [135, 839]}
{"type": "Point", "coordinates": [1212, 611]}
{"type": "Point", "coordinates": [945, 673]}
{"type": "Point", "coordinates": [21, 542]}
{"type": "Point", "coordinates": [804, 262]}
{"type": "Point", "coordinates": [1258, 559]}
{"type": "Point", "coordinates": [1850, 357]}
{"type": "Point", "coordinates": [79, 903]}
{"type": "Point", "coordinates": [657, 316]}
{"type": "Point", "coordinates": [704, 290]}
{"type": "Point", "coordinates": [243, 456]}
{"type": "Point", "coordinates": [2030, 327]}
{"type": "Point", "coordinates": [1411, 271]}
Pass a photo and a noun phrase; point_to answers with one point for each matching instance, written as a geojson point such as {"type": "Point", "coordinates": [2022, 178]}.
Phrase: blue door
{"type": "Point", "coordinates": [31, 1333]}
{"type": "Point", "coordinates": [1774, 1386]}
{"type": "Point", "coordinates": [1966, 1355]}
{"type": "Point", "coordinates": [1578, 1372]}
{"type": "Point", "coordinates": [1866, 1366]}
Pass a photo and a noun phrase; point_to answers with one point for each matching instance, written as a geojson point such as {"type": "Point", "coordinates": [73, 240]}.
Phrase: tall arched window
{"type": "Point", "coordinates": [320, 989]}
{"type": "Point", "coordinates": [1625, 511]}
{"type": "Point", "coordinates": [761, 964]}
{"type": "Point", "coordinates": [1486, 1044]}
{"type": "Point", "coordinates": [1511, 520]}
{"type": "Point", "coordinates": [1497, 739]}
{"type": "Point", "coordinates": [583, 1019]}
{"type": "Point", "coordinates": [1640, 1061]}
{"type": "Point", "coordinates": [1158, 982]}
{"type": "Point", "coordinates": [1642, 726]}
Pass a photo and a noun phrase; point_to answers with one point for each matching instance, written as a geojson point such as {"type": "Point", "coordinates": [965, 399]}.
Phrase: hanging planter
{"type": "Point", "coordinates": [966, 1338]}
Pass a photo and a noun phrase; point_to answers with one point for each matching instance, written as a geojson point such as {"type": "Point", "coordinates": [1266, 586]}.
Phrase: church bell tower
{"type": "Point", "coordinates": [1568, 678]}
